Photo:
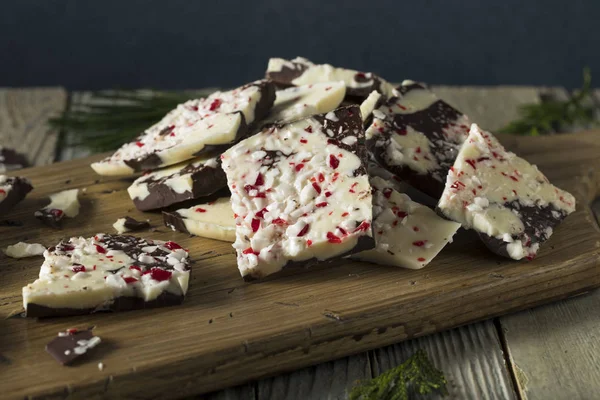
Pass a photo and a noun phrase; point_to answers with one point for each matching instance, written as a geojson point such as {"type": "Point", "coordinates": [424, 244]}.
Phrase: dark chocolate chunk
{"type": "Point", "coordinates": [72, 344]}
{"type": "Point", "coordinates": [135, 225]}
{"type": "Point", "coordinates": [51, 217]}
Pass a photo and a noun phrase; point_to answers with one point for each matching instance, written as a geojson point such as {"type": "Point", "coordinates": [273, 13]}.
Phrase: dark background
{"type": "Point", "coordinates": [191, 44]}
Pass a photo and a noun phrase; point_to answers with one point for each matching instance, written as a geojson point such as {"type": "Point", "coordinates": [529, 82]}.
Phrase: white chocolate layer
{"type": "Point", "coordinates": [407, 234]}
{"type": "Point", "coordinates": [212, 220]}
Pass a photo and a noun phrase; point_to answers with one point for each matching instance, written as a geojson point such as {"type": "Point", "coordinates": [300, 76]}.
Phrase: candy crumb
{"type": "Point", "coordinates": [101, 366]}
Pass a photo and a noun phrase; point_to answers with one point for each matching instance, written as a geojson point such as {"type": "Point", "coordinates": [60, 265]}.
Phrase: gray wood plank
{"type": "Point", "coordinates": [490, 107]}
{"type": "Point", "coordinates": [471, 358]}
{"type": "Point", "coordinates": [555, 348]}
{"type": "Point", "coordinates": [23, 117]}
{"type": "Point", "coordinates": [328, 381]}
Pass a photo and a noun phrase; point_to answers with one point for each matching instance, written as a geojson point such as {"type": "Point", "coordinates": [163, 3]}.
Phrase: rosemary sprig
{"type": "Point", "coordinates": [110, 118]}
{"type": "Point", "coordinates": [555, 116]}
{"type": "Point", "coordinates": [417, 371]}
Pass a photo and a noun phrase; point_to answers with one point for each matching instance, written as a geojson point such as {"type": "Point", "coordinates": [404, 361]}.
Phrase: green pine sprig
{"type": "Point", "coordinates": [553, 115]}
{"type": "Point", "coordinates": [110, 118]}
{"type": "Point", "coordinates": [417, 371]}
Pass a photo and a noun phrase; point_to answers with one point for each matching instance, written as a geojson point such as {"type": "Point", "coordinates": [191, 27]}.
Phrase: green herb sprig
{"type": "Point", "coordinates": [553, 115]}
{"type": "Point", "coordinates": [110, 118]}
{"type": "Point", "coordinates": [417, 371]}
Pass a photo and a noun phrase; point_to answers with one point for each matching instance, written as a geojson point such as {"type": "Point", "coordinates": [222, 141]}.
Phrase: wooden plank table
{"type": "Point", "coordinates": [546, 352]}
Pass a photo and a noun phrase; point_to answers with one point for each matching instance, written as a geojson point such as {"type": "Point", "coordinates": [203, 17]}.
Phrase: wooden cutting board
{"type": "Point", "coordinates": [228, 331]}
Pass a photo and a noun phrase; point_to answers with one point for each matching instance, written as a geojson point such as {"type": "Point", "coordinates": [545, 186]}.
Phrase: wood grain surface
{"type": "Point", "coordinates": [228, 331]}
{"type": "Point", "coordinates": [23, 116]}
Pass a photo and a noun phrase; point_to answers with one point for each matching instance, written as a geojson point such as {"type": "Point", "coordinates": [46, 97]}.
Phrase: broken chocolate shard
{"type": "Point", "coordinates": [135, 225]}
{"type": "Point", "coordinates": [416, 136]}
{"type": "Point", "coordinates": [12, 191]}
{"type": "Point", "coordinates": [193, 128]}
{"type": "Point", "coordinates": [301, 71]}
{"type": "Point", "coordinates": [186, 181]}
{"type": "Point", "coordinates": [72, 344]}
{"type": "Point", "coordinates": [62, 204]}
{"type": "Point", "coordinates": [119, 273]}
{"type": "Point", "coordinates": [507, 201]}
{"type": "Point", "coordinates": [300, 193]}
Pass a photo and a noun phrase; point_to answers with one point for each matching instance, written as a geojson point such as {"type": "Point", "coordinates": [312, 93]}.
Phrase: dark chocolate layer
{"type": "Point", "coordinates": [173, 220]}
{"type": "Point", "coordinates": [165, 299]}
{"type": "Point", "coordinates": [135, 225]}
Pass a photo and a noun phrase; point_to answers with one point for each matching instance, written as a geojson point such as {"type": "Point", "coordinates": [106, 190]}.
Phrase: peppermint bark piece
{"type": "Point", "coordinates": [195, 126]}
{"type": "Point", "coordinates": [108, 273]}
{"type": "Point", "coordinates": [11, 160]}
{"type": "Point", "coordinates": [185, 181]}
{"type": "Point", "coordinates": [407, 234]}
{"type": "Point", "coordinates": [128, 224]}
{"type": "Point", "coordinates": [417, 136]}
{"type": "Point", "coordinates": [62, 204]}
{"type": "Point", "coordinates": [300, 192]}
{"type": "Point", "coordinates": [68, 346]}
{"type": "Point", "coordinates": [508, 201]}
{"type": "Point", "coordinates": [12, 191]}
{"type": "Point", "coordinates": [301, 71]}
{"type": "Point", "coordinates": [212, 220]}
{"type": "Point", "coordinates": [302, 101]}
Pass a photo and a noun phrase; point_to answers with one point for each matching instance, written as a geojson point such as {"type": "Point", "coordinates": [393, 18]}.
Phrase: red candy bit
{"type": "Point", "coordinates": [420, 243]}
{"type": "Point", "coordinates": [172, 246]}
{"type": "Point", "coordinates": [327, 194]}
{"type": "Point", "coordinates": [159, 274]}
{"type": "Point", "coordinates": [100, 249]}
{"type": "Point", "coordinates": [250, 250]}
{"type": "Point", "coordinates": [255, 224]}
{"type": "Point", "coordinates": [401, 131]}
{"type": "Point", "coordinates": [421, 259]}
{"type": "Point", "coordinates": [418, 150]}
{"type": "Point", "coordinates": [316, 187]}
{"type": "Point", "coordinates": [78, 268]}
{"type": "Point", "coordinates": [308, 129]}
{"type": "Point", "coordinates": [387, 192]}
{"type": "Point", "coordinates": [279, 221]}
{"type": "Point", "coordinates": [304, 230]}
{"type": "Point", "coordinates": [130, 279]}
{"type": "Point", "coordinates": [261, 213]}
{"type": "Point", "coordinates": [363, 227]}
{"type": "Point", "coordinates": [309, 242]}
{"type": "Point", "coordinates": [201, 210]}
{"type": "Point", "coordinates": [215, 104]}
{"type": "Point", "coordinates": [135, 267]}
{"type": "Point", "coordinates": [400, 106]}
{"type": "Point", "coordinates": [320, 205]}
{"type": "Point", "coordinates": [2, 191]}
{"type": "Point", "coordinates": [331, 238]}
{"type": "Point", "coordinates": [345, 214]}
{"type": "Point", "coordinates": [321, 177]}
{"type": "Point", "coordinates": [56, 212]}
{"type": "Point", "coordinates": [471, 163]}
{"type": "Point", "coordinates": [514, 179]}
{"type": "Point", "coordinates": [333, 161]}
{"type": "Point", "coordinates": [299, 167]}
{"type": "Point", "coordinates": [401, 214]}
{"type": "Point", "coordinates": [351, 190]}
{"type": "Point", "coordinates": [259, 180]}
{"type": "Point", "coordinates": [72, 331]}
{"type": "Point", "coordinates": [139, 144]}
{"type": "Point", "coordinates": [416, 228]}
{"type": "Point", "coordinates": [303, 141]}
{"type": "Point", "coordinates": [342, 230]}
{"type": "Point", "coordinates": [261, 195]}
{"type": "Point", "coordinates": [457, 185]}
